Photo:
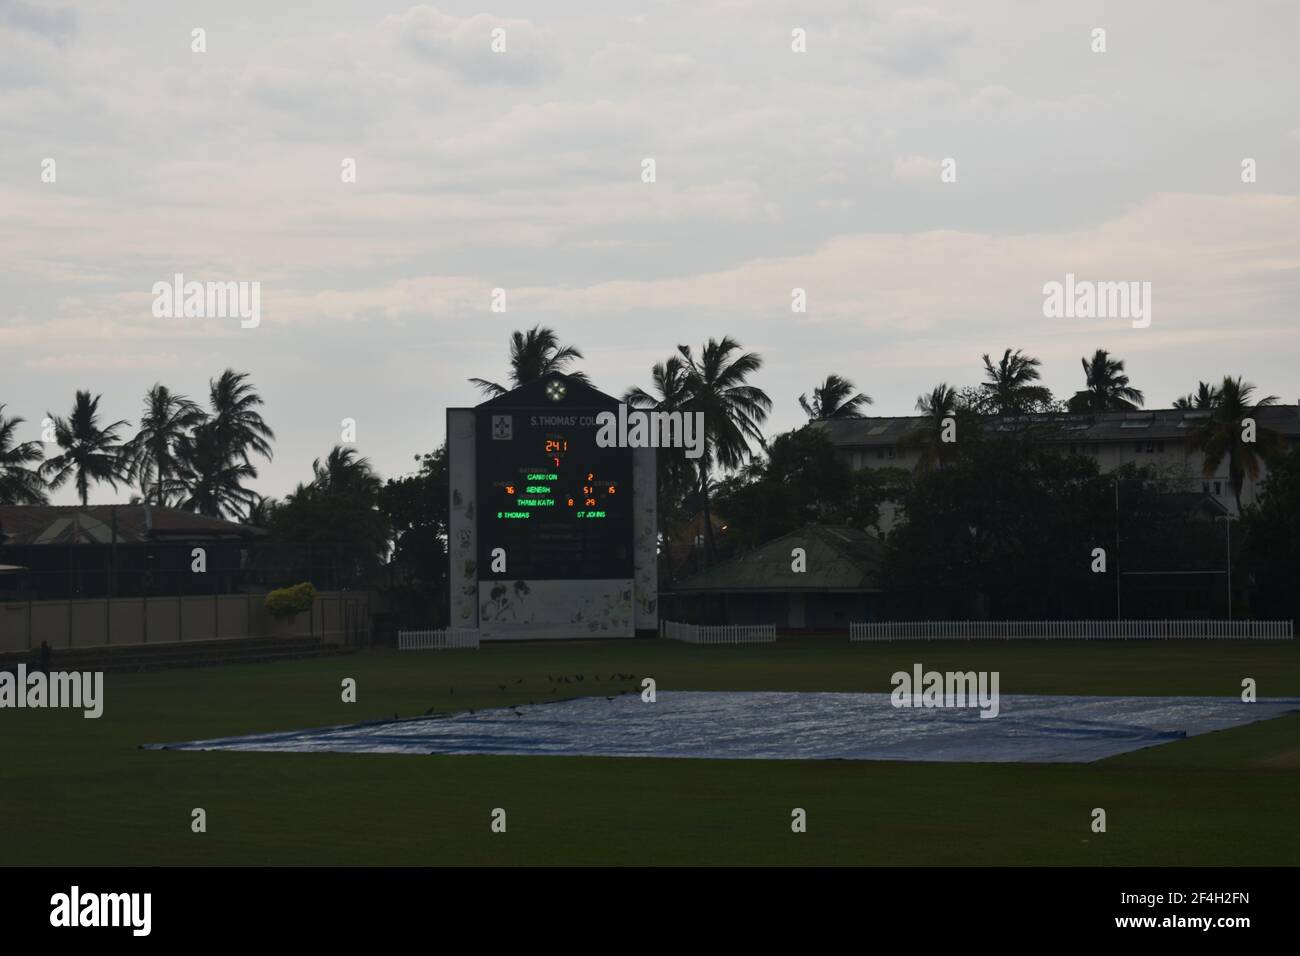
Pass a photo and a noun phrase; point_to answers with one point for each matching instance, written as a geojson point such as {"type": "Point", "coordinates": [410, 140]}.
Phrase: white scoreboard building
{"type": "Point", "coordinates": [551, 536]}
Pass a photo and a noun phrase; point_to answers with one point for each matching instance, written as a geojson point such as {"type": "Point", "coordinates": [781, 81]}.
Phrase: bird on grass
{"type": "Point", "coordinates": [519, 681]}
{"type": "Point", "coordinates": [502, 687]}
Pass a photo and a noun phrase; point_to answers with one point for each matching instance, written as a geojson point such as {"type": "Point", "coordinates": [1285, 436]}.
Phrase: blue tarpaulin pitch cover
{"type": "Point", "coordinates": [784, 726]}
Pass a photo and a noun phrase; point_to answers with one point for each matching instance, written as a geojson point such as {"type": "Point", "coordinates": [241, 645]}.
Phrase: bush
{"type": "Point", "coordinates": [286, 602]}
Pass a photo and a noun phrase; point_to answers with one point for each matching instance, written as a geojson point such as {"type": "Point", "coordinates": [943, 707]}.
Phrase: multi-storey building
{"type": "Point", "coordinates": [1159, 437]}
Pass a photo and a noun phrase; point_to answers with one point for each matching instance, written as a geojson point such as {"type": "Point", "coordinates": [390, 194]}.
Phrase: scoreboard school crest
{"type": "Point", "coordinates": [552, 535]}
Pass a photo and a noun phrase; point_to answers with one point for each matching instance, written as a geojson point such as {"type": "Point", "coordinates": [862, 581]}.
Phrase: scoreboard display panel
{"type": "Point", "coordinates": [556, 502]}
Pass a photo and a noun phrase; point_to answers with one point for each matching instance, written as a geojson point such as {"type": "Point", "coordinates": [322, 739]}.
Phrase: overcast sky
{"type": "Point", "coordinates": [523, 170]}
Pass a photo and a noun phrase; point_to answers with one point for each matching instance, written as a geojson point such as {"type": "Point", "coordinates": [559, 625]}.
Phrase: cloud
{"type": "Point", "coordinates": [631, 62]}
{"type": "Point", "coordinates": [521, 170]}
{"type": "Point", "coordinates": [916, 169]}
{"type": "Point", "coordinates": [56, 25]}
{"type": "Point", "coordinates": [464, 45]}
{"type": "Point", "coordinates": [967, 285]}
{"type": "Point", "coordinates": [918, 40]}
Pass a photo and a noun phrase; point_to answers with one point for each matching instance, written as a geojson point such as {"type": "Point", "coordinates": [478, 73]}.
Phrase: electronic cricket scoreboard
{"type": "Point", "coordinates": [551, 535]}
{"type": "Point", "coordinates": [558, 504]}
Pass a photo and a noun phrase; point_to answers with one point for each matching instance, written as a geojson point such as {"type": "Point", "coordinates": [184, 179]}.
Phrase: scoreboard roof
{"type": "Point", "coordinates": [544, 392]}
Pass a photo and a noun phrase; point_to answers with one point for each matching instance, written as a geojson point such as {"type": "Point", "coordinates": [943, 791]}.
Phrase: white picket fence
{"type": "Point", "coordinates": [718, 633]}
{"type": "Point", "coordinates": [1070, 630]}
{"type": "Point", "coordinates": [443, 639]}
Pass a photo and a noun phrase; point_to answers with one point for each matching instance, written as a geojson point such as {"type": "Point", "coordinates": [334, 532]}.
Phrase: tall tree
{"type": "Point", "coordinates": [344, 473]}
{"type": "Point", "coordinates": [1203, 399]}
{"type": "Point", "coordinates": [216, 457]}
{"type": "Point", "coordinates": [733, 410]}
{"type": "Point", "coordinates": [670, 393]}
{"type": "Point", "coordinates": [834, 399]}
{"type": "Point", "coordinates": [1271, 543]}
{"type": "Point", "coordinates": [533, 354]}
{"type": "Point", "coordinates": [210, 476]}
{"type": "Point", "coordinates": [165, 420]}
{"type": "Point", "coordinates": [260, 510]}
{"type": "Point", "coordinates": [1010, 384]}
{"type": "Point", "coordinates": [418, 513]}
{"type": "Point", "coordinates": [992, 533]}
{"type": "Point", "coordinates": [936, 408]}
{"type": "Point", "coordinates": [19, 483]}
{"type": "Point", "coordinates": [1225, 435]}
{"type": "Point", "coordinates": [237, 425]}
{"type": "Point", "coordinates": [91, 452]}
{"type": "Point", "coordinates": [1106, 387]}
{"type": "Point", "coordinates": [334, 522]}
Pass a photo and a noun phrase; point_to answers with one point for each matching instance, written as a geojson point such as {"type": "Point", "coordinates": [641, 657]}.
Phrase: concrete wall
{"type": "Point", "coordinates": [558, 610]}
{"type": "Point", "coordinates": [98, 622]}
{"type": "Point", "coordinates": [462, 528]}
{"type": "Point", "coordinates": [645, 528]}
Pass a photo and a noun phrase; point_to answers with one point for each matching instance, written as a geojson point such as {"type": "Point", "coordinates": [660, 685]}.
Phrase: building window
{"type": "Point", "coordinates": [1218, 488]}
{"type": "Point", "coordinates": [1138, 448]}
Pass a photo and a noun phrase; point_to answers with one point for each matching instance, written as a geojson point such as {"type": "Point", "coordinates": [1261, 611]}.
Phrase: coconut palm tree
{"type": "Point", "coordinates": [210, 475]}
{"type": "Point", "coordinates": [533, 354]}
{"type": "Point", "coordinates": [19, 484]}
{"type": "Point", "coordinates": [669, 384]}
{"type": "Point", "coordinates": [260, 510]}
{"type": "Point", "coordinates": [936, 408]}
{"type": "Point", "coordinates": [343, 473]}
{"type": "Point", "coordinates": [733, 410]}
{"type": "Point", "coordinates": [1010, 387]}
{"type": "Point", "coordinates": [91, 452]}
{"type": "Point", "coordinates": [669, 380]}
{"type": "Point", "coordinates": [166, 418]}
{"type": "Point", "coordinates": [237, 425]}
{"type": "Point", "coordinates": [831, 400]}
{"type": "Point", "coordinates": [1203, 399]}
{"type": "Point", "coordinates": [1106, 388]}
{"type": "Point", "coordinates": [1223, 435]}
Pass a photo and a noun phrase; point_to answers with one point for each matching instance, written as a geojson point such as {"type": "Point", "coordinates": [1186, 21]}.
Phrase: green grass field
{"type": "Point", "coordinates": [80, 792]}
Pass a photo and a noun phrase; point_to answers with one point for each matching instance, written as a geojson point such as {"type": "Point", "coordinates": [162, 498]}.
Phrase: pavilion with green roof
{"type": "Point", "coordinates": [839, 583]}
